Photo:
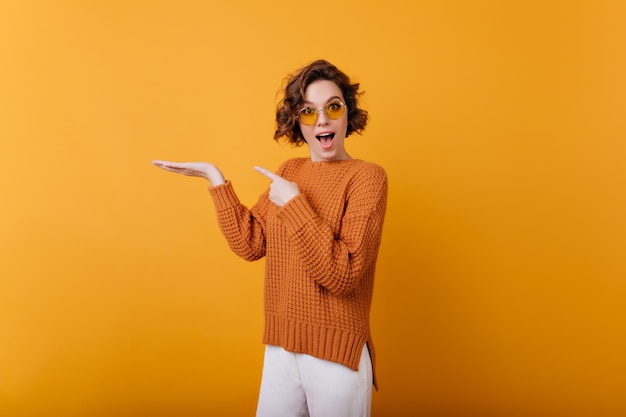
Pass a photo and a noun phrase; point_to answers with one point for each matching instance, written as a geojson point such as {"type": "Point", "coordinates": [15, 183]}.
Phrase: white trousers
{"type": "Point", "coordinates": [300, 385]}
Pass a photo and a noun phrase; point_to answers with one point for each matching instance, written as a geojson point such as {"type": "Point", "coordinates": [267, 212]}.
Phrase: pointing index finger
{"type": "Point", "coordinates": [269, 174]}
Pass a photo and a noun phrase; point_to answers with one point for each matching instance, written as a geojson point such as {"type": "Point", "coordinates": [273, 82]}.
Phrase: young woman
{"type": "Point", "coordinates": [319, 228]}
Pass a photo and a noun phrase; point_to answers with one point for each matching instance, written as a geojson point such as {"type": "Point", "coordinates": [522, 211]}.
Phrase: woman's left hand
{"type": "Point", "coordinates": [281, 190]}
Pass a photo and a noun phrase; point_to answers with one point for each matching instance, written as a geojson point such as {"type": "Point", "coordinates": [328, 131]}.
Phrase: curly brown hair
{"type": "Point", "coordinates": [286, 122]}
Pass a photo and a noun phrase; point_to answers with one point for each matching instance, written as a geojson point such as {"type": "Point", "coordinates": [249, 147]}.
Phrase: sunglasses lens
{"type": "Point", "coordinates": [308, 116]}
{"type": "Point", "coordinates": [335, 110]}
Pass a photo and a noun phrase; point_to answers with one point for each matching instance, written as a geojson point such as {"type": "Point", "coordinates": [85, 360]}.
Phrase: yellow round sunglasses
{"type": "Point", "coordinates": [334, 110]}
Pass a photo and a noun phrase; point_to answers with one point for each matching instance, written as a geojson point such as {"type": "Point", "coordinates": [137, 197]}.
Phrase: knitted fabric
{"type": "Point", "coordinates": [320, 249]}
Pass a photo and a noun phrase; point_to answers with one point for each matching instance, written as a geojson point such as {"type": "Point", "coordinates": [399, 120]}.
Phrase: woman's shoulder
{"type": "Point", "coordinates": [369, 165]}
{"type": "Point", "coordinates": [370, 169]}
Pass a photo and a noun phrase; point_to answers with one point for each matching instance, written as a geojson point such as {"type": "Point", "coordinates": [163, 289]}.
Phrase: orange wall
{"type": "Point", "coordinates": [502, 277]}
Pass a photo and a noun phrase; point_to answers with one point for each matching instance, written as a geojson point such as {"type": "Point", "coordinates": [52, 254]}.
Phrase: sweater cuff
{"type": "Point", "coordinates": [296, 213]}
{"type": "Point", "coordinates": [224, 196]}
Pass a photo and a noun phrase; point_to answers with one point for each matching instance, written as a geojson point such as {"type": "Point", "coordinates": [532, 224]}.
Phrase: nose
{"type": "Point", "coordinates": [322, 117]}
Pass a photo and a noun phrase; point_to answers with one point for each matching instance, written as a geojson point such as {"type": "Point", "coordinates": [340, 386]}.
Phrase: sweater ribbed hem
{"type": "Point", "coordinates": [329, 344]}
{"type": "Point", "coordinates": [223, 196]}
{"type": "Point", "coordinates": [296, 213]}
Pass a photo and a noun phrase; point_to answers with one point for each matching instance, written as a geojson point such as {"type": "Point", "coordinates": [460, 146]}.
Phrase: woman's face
{"type": "Point", "coordinates": [325, 137]}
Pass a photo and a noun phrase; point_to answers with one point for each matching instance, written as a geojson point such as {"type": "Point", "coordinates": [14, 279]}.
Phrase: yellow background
{"type": "Point", "coordinates": [502, 274]}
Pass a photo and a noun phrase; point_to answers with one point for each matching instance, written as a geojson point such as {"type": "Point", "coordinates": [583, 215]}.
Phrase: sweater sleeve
{"type": "Point", "coordinates": [243, 228]}
{"type": "Point", "coordinates": [337, 262]}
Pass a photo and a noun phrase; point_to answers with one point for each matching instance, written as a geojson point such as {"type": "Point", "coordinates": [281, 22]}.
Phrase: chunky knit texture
{"type": "Point", "coordinates": [320, 249]}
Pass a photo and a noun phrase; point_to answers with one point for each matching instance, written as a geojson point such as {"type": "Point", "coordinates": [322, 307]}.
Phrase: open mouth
{"type": "Point", "coordinates": [326, 139]}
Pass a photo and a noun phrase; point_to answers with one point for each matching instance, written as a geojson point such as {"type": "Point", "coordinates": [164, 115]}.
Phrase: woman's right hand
{"type": "Point", "coordinates": [194, 169]}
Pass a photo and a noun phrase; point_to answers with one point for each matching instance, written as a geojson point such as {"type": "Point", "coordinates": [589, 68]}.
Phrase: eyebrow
{"type": "Point", "coordinates": [327, 101]}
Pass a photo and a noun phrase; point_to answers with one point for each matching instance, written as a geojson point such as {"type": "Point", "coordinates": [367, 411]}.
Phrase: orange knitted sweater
{"type": "Point", "coordinates": [320, 249]}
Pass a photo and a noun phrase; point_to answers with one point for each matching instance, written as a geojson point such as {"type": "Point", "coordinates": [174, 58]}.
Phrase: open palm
{"type": "Point", "coordinates": [193, 169]}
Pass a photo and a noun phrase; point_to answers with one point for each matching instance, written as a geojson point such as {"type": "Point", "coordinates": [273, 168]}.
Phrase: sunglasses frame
{"type": "Point", "coordinates": [323, 109]}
